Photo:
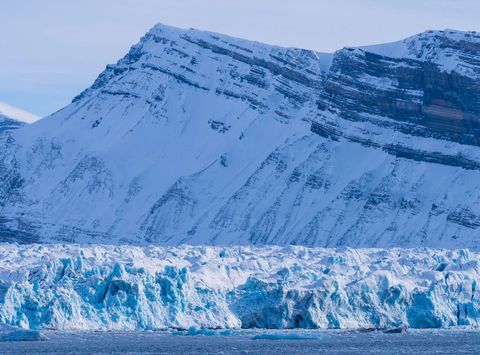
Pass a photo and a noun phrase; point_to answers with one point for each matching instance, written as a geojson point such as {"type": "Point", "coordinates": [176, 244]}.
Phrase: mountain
{"type": "Point", "coordinates": [196, 137]}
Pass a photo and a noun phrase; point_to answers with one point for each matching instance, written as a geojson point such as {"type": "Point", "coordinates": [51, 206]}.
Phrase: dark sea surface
{"type": "Point", "coordinates": [251, 342]}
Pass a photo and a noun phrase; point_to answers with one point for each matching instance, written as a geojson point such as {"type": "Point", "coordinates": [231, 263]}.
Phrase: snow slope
{"type": "Point", "coordinates": [78, 287]}
{"type": "Point", "coordinates": [195, 137]}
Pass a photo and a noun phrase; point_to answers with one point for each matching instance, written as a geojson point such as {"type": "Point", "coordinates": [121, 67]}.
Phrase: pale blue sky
{"type": "Point", "coordinates": [52, 49]}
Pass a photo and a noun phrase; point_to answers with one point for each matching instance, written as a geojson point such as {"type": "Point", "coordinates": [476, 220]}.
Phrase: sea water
{"type": "Point", "coordinates": [251, 342]}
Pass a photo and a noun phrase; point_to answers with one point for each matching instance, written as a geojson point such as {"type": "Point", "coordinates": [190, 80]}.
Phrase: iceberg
{"type": "Point", "coordinates": [9, 333]}
{"type": "Point", "coordinates": [200, 288]}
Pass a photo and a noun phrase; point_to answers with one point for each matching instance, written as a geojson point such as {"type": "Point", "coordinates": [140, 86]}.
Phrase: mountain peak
{"type": "Point", "coordinates": [420, 44]}
{"type": "Point", "coordinates": [450, 50]}
{"type": "Point", "coordinates": [184, 53]}
{"type": "Point", "coordinates": [452, 34]}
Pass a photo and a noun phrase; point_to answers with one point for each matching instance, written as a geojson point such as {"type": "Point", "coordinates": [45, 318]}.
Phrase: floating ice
{"type": "Point", "coordinates": [9, 333]}
{"type": "Point", "coordinates": [285, 336]}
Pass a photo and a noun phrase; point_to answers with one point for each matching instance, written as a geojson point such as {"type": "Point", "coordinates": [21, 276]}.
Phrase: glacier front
{"type": "Point", "coordinates": [79, 287]}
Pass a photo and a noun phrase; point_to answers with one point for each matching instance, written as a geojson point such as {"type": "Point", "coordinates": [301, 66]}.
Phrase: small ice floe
{"type": "Point", "coordinates": [399, 330]}
{"type": "Point", "coordinates": [286, 336]}
{"type": "Point", "coordinates": [200, 331]}
{"type": "Point", "coordinates": [10, 333]}
{"type": "Point", "coordinates": [193, 331]}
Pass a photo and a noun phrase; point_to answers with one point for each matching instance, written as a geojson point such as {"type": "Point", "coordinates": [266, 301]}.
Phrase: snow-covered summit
{"type": "Point", "coordinates": [452, 50]}
{"type": "Point", "coordinates": [173, 50]}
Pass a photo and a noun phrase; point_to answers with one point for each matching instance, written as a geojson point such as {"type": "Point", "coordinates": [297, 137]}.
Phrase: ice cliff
{"type": "Point", "coordinates": [73, 287]}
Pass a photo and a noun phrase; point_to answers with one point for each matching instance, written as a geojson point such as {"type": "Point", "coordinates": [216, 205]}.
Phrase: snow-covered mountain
{"type": "Point", "coordinates": [198, 137]}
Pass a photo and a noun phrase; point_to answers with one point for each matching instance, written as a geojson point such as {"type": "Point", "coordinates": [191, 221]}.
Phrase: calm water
{"type": "Point", "coordinates": [418, 342]}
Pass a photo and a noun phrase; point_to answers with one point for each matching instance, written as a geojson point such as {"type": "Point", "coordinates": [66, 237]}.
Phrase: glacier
{"type": "Point", "coordinates": [102, 287]}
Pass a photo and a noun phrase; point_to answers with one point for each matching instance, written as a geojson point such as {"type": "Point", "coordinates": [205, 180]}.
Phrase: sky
{"type": "Point", "coordinates": [50, 50]}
